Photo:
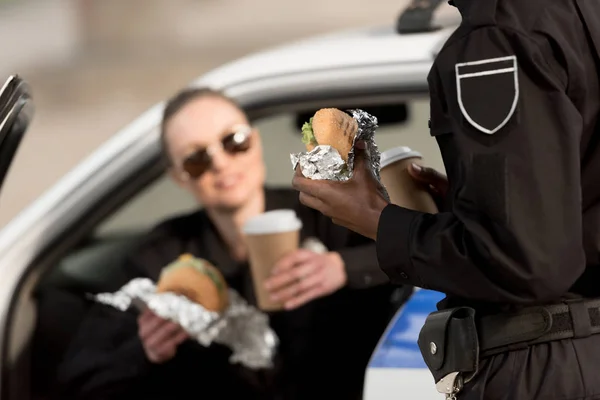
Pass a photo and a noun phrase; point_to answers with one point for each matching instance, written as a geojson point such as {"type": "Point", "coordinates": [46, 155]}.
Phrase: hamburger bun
{"type": "Point", "coordinates": [331, 127]}
{"type": "Point", "coordinates": [196, 279]}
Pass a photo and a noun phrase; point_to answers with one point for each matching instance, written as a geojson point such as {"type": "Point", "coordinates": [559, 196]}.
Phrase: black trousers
{"type": "Point", "coordinates": [560, 370]}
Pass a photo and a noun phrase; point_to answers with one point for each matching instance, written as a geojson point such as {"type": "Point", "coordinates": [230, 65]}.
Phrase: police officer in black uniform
{"type": "Point", "coordinates": [515, 106]}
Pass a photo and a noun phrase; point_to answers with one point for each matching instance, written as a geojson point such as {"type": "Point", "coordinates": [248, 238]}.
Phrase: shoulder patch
{"type": "Point", "coordinates": [488, 92]}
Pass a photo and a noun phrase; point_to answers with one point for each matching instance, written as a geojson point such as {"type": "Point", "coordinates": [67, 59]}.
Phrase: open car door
{"type": "Point", "coordinates": [16, 113]}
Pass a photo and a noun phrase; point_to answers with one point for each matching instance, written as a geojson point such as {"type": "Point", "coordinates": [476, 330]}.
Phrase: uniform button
{"type": "Point", "coordinates": [403, 275]}
{"type": "Point", "coordinates": [368, 279]}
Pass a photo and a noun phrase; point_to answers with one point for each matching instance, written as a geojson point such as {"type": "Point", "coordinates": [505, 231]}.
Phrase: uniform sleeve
{"type": "Point", "coordinates": [362, 268]}
{"type": "Point", "coordinates": [514, 231]}
{"type": "Point", "coordinates": [106, 358]}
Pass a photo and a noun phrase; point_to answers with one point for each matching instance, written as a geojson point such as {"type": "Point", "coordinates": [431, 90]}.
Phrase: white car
{"type": "Point", "coordinates": [75, 234]}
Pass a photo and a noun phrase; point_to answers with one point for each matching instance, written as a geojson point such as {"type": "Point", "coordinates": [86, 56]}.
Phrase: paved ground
{"type": "Point", "coordinates": [85, 100]}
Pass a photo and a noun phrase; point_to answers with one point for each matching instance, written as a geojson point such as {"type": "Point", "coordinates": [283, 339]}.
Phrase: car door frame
{"type": "Point", "coordinates": [16, 113]}
{"type": "Point", "coordinates": [36, 240]}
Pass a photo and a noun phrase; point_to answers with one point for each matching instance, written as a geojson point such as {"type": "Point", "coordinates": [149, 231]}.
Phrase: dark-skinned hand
{"type": "Point", "coordinates": [436, 182]}
{"type": "Point", "coordinates": [355, 204]}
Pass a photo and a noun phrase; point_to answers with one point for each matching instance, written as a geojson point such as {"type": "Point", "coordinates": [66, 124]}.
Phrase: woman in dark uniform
{"type": "Point", "coordinates": [338, 303]}
{"type": "Point", "coordinates": [515, 105]}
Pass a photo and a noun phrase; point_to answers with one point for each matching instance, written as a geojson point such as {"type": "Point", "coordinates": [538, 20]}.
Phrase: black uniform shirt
{"type": "Point", "coordinates": [514, 107]}
{"type": "Point", "coordinates": [324, 345]}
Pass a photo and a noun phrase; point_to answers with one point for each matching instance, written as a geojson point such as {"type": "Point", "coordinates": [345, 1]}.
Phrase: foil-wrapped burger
{"type": "Point", "coordinates": [330, 137]}
{"type": "Point", "coordinates": [194, 294]}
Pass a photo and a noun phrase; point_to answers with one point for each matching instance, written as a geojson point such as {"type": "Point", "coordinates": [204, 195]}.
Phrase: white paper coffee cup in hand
{"type": "Point", "coordinates": [403, 189]}
{"type": "Point", "coordinates": [269, 237]}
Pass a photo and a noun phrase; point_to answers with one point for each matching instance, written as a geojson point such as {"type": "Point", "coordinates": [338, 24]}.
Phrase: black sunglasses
{"type": "Point", "coordinates": [200, 160]}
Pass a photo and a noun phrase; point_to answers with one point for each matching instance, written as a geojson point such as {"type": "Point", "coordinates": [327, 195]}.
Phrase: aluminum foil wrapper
{"type": "Point", "coordinates": [324, 162]}
{"type": "Point", "coordinates": [241, 327]}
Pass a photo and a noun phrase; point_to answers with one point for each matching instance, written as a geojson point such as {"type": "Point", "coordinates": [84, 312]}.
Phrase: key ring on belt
{"type": "Point", "coordinates": [450, 385]}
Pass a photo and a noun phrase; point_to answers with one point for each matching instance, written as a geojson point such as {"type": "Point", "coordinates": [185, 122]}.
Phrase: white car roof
{"type": "Point", "coordinates": [339, 50]}
{"type": "Point", "coordinates": [355, 47]}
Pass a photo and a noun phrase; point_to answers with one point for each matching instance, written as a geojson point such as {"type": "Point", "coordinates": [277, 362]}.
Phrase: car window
{"type": "Point", "coordinates": [280, 137]}
{"type": "Point", "coordinates": [96, 265]}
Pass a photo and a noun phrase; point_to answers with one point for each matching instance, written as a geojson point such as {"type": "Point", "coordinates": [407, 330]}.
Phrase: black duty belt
{"type": "Point", "coordinates": [534, 325]}
{"type": "Point", "coordinates": [453, 341]}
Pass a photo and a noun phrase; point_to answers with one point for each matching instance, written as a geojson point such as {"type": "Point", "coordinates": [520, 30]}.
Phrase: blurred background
{"type": "Point", "coordinates": [95, 65]}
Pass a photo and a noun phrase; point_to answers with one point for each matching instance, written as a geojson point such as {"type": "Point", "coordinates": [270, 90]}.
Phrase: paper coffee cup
{"type": "Point", "coordinates": [404, 191]}
{"type": "Point", "coordinates": [269, 237]}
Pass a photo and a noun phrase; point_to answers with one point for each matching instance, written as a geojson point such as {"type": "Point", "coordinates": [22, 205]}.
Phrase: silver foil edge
{"type": "Point", "coordinates": [241, 327]}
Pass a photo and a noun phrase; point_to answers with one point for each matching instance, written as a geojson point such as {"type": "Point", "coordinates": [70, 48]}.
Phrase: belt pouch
{"type": "Point", "coordinates": [448, 343]}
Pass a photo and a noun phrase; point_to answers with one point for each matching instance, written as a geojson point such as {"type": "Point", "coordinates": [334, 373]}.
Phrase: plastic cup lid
{"type": "Point", "coordinates": [275, 221]}
{"type": "Point", "coordinates": [397, 154]}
